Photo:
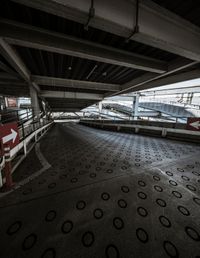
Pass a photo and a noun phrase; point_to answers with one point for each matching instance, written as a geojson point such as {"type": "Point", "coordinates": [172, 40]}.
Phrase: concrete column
{"type": "Point", "coordinates": [34, 102]}
{"type": "Point", "coordinates": [191, 97]}
{"type": "Point", "coordinates": [100, 109]}
{"type": "Point", "coordinates": [135, 106]}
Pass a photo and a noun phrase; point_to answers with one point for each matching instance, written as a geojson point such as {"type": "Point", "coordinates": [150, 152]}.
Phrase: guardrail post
{"type": "Point", "coordinates": [9, 183]}
{"type": "Point", "coordinates": [164, 132]}
{"type": "Point", "coordinates": [137, 129]}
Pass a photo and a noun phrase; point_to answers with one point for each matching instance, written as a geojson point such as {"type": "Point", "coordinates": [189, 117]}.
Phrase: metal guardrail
{"type": "Point", "coordinates": [137, 128]}
{"type": "Point", "coordinates": [32, 131]}
{"type": "Point", "coordinates": [20, 116]}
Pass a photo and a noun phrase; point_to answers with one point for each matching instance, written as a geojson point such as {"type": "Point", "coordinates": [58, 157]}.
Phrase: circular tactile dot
{"type": "Point", "coordinates": [192, 233]}
{"type": "Point", "coordinates": [142, 235]}
{"type": "Point", "coordinates": [122, 203]}
{"type": "Point", "coordinates": [105, 196]}
{"type": "Point", "coordinates": [156, 178]}
{"type": "Point", "coordinates": [142, 211]}
{"type": "Point", "coordinates": [98, 168]}
{"type": "Point", "coordinates": [185, 178]}
{"type": "Point", "coordinates": [177, 194]}
{"type": "Point", "coordinates": [74, 180]}
{"type": "Point", "coordinates": [173, 183]}
{"type": "Point", "coordinates": [109, 171]}
{"type": "Point", "coordinates": [112, 252]}
{"type": "Point", "coordinates": [165, 221]}
{"type": "Point", "coordinates": [180, 169]}
{"type": "Point", "coordinates": [125, 189]}
{"type": "Point", "coordinates": [169, 173]}
{"type": "Point", "coordinates": [195, 173]}
{"type": "Point", "coordinates": [196, 200]}
{"type": "Point", "coordinates": [52, 185]}
{"type": "Point", "coordinates": [118, 223]}
{"type": "Point", "coordinates": [161, 202]}
{"type": "Point", "coordinates": [158, 188]}
{"type": "Point", "coordinates": [80, 205]}
{"type": "Point", "coordinates": [50, 216]}
{"type": "Point", "coordinates": [191, 188]}
{"type": "Point", "coordinates": [170, 249]}
{"type": "Point", "coordinates": [88, 239]}
{"type": "Point", "coordinates": [142, 195]}
{"type": "Point", "coordinates": [141, 183]}
{"type": "Point", "coordinates": [49, 253]}
{"type": "Point", "coordinates": [14, 228]}
{"type": "Point", "coordinates": [98, 213]}
{"type": "Point", "coordinates": [93, 175]}
{"type": "Point", "coordinates": [123, 167]}
{"type": "Point", "coordinates": [67, 226]}
{"type": "Point", "coordinates": [137, 164]}
{"type": "Point", "coordinates": [29, 242]}
{"type": "Point", "coordinates": [183, 210]}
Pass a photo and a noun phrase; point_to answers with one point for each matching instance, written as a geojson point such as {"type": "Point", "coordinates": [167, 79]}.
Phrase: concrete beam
{"type": "Point", "coordinates": [74, 84]}
{"type": "Point", "coordinates": [175, 66]}
{"type": "Point", "coordinates": [195, 89]}
{"type": "Point", "coordinates": [158, 26]}
{"type": "Point", "coordinates": [181, 77]}
{"type": "Point", "coordinates": [16, 62]}
{"type": "Point", "coordinates": [71, 95]}
{"type": "Point", "coordinates": [19, 34]}
{"type": "Point", "coordinates": [64, 109]}
{"type": "Point", "coordinates": [13, 58]}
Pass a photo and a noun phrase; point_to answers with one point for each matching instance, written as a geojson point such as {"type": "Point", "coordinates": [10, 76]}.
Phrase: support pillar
{"type": "Point", "coordinates": [135, 106]}
{"type": "Point", "coordinates": [34, 103]}
{"type": "Point", "coordinates": [100, 109]}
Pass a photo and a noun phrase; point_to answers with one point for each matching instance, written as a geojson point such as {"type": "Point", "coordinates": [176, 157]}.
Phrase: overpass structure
{"type": "Point", "coordinates": [71, 54]}
{"type": "Point", "coordinates": [97, 188]}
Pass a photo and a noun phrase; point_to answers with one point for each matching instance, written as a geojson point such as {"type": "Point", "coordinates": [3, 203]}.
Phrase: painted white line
{"type": "Point", "coordinates": [43, 162]}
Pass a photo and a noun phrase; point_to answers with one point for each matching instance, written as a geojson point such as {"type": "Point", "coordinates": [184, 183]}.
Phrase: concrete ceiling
{"type": "Point", "coordinates": [75, 53]}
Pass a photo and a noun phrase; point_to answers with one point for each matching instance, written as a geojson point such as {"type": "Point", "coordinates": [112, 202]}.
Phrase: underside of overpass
{"type": "Point", "coordinates": [75, 53]}
{"type": "Point", "coordinates": [114, 190]}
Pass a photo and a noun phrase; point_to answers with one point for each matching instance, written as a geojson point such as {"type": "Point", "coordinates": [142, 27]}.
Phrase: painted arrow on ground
{"type": "Point", "coordinates": [12, 136]}
{"type": "Point", "coordinates": [196, 124]}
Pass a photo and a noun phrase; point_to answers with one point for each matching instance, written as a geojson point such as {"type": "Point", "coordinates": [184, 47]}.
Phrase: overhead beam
{"type": "Point", "coordinates": [158, 26]}
{"type": "Point", "coordinates": [65, 109]}
{"type": "Point", "coordinates": [74, 84]}
{"type": "Point", "coordinates": [19, 34]}
{"type": "Point", "coordinates": [71, 95]}
{"type": "Point", "coordinates": [175, 66]}
{"type": "Point", "coordinates": [181, 77]}
{"type": "Point", "coordinates": [16, 62]}
{"type": "Point", "coordinates": [195, 89]}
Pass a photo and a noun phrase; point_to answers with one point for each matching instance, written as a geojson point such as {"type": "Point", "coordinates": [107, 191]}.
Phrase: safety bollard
{"type": "Point", "coordinates": [9, 183]}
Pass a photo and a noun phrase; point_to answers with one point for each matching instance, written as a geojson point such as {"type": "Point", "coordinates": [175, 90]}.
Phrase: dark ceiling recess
{"type": "Point", "coordinates": [57, 65]}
